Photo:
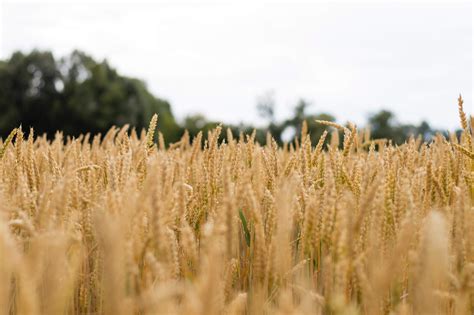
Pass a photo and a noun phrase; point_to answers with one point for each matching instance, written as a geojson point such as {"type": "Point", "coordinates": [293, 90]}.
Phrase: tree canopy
{"type": "Point", "coordinates": [75, 94]}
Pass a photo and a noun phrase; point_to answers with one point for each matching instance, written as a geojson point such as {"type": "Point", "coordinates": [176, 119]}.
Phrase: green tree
{"type": "Point", "coordinates": [384, 125]}
{"type": "Point", "coordinates": [28, 91]}
{"type": "Point", "coordinates": [75, 94]}
{"type": "Point", "coordinates": [300, 114]}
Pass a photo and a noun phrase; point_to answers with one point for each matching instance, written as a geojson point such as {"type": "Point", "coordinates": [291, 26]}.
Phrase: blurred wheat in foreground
{"type": "Point", "coordinates": [116, 225]}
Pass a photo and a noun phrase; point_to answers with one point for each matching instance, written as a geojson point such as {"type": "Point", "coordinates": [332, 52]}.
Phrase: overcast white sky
{"type": "Point", "coordinates": [349, 59]}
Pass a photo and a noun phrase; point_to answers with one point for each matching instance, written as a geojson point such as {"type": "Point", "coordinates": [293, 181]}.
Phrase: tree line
{"type": "Point", "coordinates": [77, 94]}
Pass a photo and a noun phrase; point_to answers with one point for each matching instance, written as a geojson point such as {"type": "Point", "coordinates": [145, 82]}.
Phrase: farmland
{"type": "Point", "coordinates": [124, 224]}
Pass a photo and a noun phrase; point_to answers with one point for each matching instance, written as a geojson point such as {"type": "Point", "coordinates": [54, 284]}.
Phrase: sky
{"type": "Point", "coordinates": [216, 58]}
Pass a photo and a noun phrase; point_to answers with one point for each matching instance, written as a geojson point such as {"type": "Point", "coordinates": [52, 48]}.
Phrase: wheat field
{"type": "Point", "coordinates": [119, 225]}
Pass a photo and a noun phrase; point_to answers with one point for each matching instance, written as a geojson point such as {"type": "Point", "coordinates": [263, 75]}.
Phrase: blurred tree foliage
{"type": "Point", "coordinates": [384, 125]}
{"type": "Point", "coordinates": [77, 94]}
